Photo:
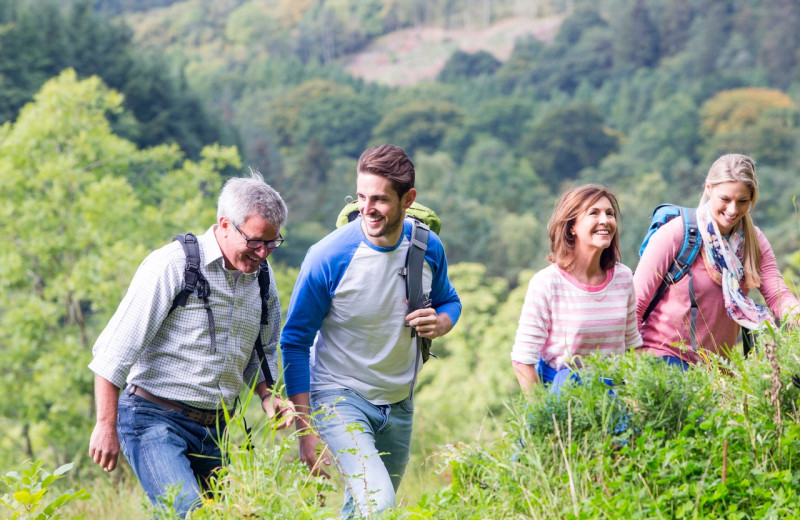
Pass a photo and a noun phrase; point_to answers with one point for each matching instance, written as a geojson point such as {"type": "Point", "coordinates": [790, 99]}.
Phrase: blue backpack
{"type": "Point", "coordinates": [690, 248]}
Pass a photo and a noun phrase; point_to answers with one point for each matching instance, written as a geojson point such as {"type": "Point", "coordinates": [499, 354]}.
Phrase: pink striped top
{"type": "Point", "coordinates": [563, 319]}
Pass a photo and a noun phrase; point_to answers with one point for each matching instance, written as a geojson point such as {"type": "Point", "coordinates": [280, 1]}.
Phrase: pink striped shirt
{"type": "Point", "coordinates": [563, 319]}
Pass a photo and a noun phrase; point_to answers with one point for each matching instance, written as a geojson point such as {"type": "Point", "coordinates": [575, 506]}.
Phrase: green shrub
{"type": "Point", "coordinates": [717, 441]}
{"type": "Point", "coordinates": [29, 493]}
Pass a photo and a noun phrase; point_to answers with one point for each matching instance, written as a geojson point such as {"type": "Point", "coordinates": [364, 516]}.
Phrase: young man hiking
{"type": "Point", "coordinates": [350, 304]}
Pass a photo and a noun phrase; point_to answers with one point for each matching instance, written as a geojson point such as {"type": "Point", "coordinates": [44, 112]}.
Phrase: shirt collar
{"type": "Point", "coordinates": [212, 251]}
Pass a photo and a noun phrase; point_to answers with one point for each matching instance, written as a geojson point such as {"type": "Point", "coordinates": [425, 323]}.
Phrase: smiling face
{"type": "Point", "coordinates": [730, 202]}
{"type": "Point", "coordinates": [595, 226]}
{"type": "Point", "coordinates": [234, 246]}
{"type": "Point", "coordinates": [382, 210]}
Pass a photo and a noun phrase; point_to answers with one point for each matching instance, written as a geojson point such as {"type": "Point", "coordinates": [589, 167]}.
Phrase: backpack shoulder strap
{"type": "Point", "coordinates": [415, 261]}
{"type": "Point", "coordinates": [415, 258]}
{"type": "Point", "coordinates": [192, 275]}
{"type": "Point", "coordinates": [194, 280]}
{"type": "Point", "coordinates": [690, 247]}
{"type": "Point", "coordinates": [687, 254]}
{"type": "Point", "coordinates": [263, 289]}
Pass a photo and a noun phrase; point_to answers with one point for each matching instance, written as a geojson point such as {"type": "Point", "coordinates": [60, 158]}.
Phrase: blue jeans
{"type": "Point", "coordinates": [676, 362]}
{"type": "Point", "coordinates": [167, 449]}
{"type": "Point", "coordinates": [555, 379]}
{"type": "Point", "coordinates": [371, 444]}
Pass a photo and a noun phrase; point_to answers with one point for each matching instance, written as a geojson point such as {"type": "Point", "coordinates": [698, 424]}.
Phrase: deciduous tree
{"type": "Point", "coordinates": [75, 230]}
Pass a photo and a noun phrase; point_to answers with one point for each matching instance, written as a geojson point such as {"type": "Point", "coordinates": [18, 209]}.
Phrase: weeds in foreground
{"type": "Point", "coordinates": [259, 482]}
{"type": "Point", "coordinates": [718, 441]}
{"type": "Point", "coordinates": [31, 494]}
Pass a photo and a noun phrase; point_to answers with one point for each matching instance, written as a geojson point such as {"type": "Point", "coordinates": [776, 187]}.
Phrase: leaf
{"type": "Point", "coordinates": [23, 497]}
{"type": "Point", "coordinates": [63, 469]}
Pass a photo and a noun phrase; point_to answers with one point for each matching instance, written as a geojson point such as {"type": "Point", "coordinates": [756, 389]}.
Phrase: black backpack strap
{"type": "Point", "coordinates": [194, 280]}
{"type": "Point", "coordinates": [692, 313]}
{"type": "Point", "coordinates": [415, 260]}
{"type": "Point", "coordinates": [263, 288]}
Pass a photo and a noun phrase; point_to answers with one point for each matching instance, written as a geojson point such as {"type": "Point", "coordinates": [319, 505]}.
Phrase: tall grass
{"type": "Point", "coordinates": [718, 441]}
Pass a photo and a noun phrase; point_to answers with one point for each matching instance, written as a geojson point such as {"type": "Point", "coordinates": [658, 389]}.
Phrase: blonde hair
{"type": "Point", "coordinates": [736, 167]}
{"type": "Point", "coordinates": [568, 208]}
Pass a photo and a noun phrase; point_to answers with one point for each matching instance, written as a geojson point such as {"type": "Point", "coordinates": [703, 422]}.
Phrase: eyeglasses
{"type": "Point", "coordinates": [258, 244]}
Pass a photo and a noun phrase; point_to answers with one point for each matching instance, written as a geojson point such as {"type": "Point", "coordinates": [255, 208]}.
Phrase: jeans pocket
{"type": "Point", "coordinates": [406, 405]}
{"type": "Point", "coordinates": [328, 396]}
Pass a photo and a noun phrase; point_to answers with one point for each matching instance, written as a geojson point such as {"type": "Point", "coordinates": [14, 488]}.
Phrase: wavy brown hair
{"type": "Point", "coordinates": [390, 162]}
{"type": "Point", "coordinates": [568, 208]}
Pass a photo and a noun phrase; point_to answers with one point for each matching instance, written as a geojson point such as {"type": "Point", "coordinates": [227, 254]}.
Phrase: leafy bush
{"type": "Point", "coordinates": [29, 492]}
{"type": "Point", "coordinates": [717, 441]}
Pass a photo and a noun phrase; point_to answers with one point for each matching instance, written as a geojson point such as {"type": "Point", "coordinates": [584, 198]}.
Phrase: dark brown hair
{"type": "Point", "coordinates": [390, 162]}
{"type": "Point", "coordinates": [568, 208]}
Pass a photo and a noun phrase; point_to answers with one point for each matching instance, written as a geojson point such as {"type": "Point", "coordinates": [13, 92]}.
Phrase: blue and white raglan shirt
{"type": "Point", "coordinates": [350, 291]}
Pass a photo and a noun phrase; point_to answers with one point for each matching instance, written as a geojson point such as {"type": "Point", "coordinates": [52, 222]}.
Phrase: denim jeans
{"type": "Point", "coordinates": [556, 379]}
{"type": "Point", "coordinates": [675, 361]}
{"type": "Point", "coordinates": [167, 449]}
{"type": "Point", "coordinates": [370, 443]}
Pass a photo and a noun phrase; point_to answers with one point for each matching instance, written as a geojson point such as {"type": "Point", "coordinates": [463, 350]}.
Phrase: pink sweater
{"type": "Point", "coordinates": [667, 327]}
{"type": "Point", "coordinates": [563, 318]}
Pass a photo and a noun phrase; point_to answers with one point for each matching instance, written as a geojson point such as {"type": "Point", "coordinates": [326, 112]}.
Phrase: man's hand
{"type": "Point", "coordinates": [314, 453]}
{"type": "Point", "coordinates": [278, 408]}
{"type": "Point", "coordinates": [429, 324]}
{"type": "Point", "coordinates": [104, 446]}
{"type": "Point", "coordinates": [104, 443]}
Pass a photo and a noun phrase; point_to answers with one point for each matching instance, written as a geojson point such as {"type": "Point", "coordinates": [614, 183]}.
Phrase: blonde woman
{"type": "Point", "coordinates": [735, 257]}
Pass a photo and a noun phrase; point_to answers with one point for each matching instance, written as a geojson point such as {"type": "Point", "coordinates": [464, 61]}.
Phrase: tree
{"type": "Point", "coordinates": [669, 131]}
{"type": "Point", "coordinates": [516, 70]}
{"type": "Point", "coordinates": [636, 43]}
{"type": "Point", "coordinates": [463, 65]}
{"type": "Point", "coordinates": [45, 38]}
{"type": "Point", "coordinates": [575, 26]}
{"type": "Point", "coordinates": [759, 121]}
{"type": "Point", "coordinates": [779, 48]}
{"type": "Point", "coordinates": [566, 140]}
{"type": "Point", "coordinates": [284, 115]}
{"type": "Point", "coordinates": [76, 230]}
{"type": "Point", "coordinates": [342, 123]}
{"type": "Point", "coordinates": [418, 125]}
{"type": "Point", "coordinates": [494, 176]}
{"type": "Point", "coordinates": [503, 118]}
{"type": "Point", "coordinates": [709, 35]}
{"type": "Point", "coordinates": [674, 26]}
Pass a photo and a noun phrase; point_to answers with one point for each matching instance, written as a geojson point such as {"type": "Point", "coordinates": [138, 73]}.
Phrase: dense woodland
{"type": "Point", "coordinates": [121, 118]}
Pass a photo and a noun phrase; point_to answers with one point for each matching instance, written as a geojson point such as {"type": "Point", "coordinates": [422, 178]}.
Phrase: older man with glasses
{"type": "Point", "coordinates": [178, 391]}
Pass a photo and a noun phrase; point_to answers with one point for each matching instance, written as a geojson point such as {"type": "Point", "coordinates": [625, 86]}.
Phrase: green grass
{"type": "Point", "coordinates": [716, 442]}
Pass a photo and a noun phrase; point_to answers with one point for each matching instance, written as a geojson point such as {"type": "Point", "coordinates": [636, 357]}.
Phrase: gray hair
{"type": "Point", "coordinates": [242, 197]}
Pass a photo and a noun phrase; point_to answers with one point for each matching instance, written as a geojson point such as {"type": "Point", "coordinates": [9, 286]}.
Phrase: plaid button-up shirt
{"type": "Point", "coordinates": [170, 355]}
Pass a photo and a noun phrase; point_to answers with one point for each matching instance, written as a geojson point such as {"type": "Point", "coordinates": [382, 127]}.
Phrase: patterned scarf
{"type": "Point", "coordinates": [723, 259]}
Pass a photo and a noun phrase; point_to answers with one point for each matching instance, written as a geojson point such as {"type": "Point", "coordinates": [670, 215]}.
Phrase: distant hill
{"type": "Point", "coordinates": [408, 56]}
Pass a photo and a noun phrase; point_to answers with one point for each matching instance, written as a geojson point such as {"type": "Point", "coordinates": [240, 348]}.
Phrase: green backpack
{"type": "Point", "coordinates": [422, 213]}
{"type": "Point", "coordinates": [425, 220]}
